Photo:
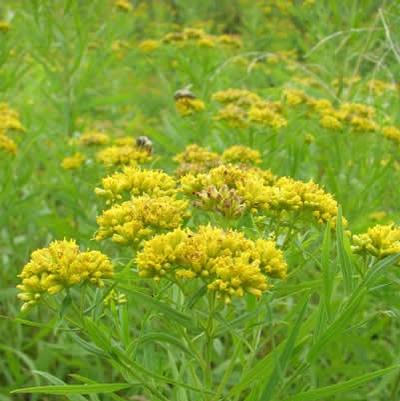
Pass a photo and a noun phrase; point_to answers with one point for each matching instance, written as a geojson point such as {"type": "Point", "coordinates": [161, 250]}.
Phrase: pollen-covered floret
{"type": "Point", "coordinates": [141, 218]}
{"type": "Point", "coordinates": [379, 241]}
{"type": "Point", "coordinates": [135, 182]}
{"type": "Point", "coordinates": [60, 266]}
{"type": "Point", "coordinates": [229, 263]}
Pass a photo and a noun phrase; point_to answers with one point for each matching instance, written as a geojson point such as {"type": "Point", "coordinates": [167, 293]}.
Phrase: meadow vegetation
{"type": "Point", "coordinates": [200, 200]}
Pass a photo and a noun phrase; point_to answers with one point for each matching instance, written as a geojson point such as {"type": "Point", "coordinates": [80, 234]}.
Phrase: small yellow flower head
{"type": "Point", "coordinates": [330, 122]}
{"type": "Point", "coordinates": [229, 40]}
{"type": "Point", "coordinates": [241, 96]}
{"type": "Point", "coordinates": [123, 155]}
{"type": "Point", "coordinates": [9, 119]}
{"type": "Point", "coordinates": [207, 41]}
{"type": "Point", "coordinates": [141, 218]}
{"type": "Point", "coordinates": [229, 263]}
{"type": "Point", "coordinates": [363, 124]}
{"type": "Point", "coordinates": [7, 144]}
{"type": "Point", "coordinates": [321, 106]}
{"type": "Point", "coordinates": [187, 105]}
{"type": "Point", "coordinates": [124, 5]}
{"type": "Point", "coordinates": [357, 109]}
{"type": "Point", "coordinates": [379, 241]}
{"type": "Point", "coordinates": [90, 138]}
{"type": "Point", "coordinates": [149, 45]}
{"type": "Point", "coordinates": [73, 162]}
{"type": "Point", "coordinates": [290, 194]}
{"type": "Point", "coordinates": [241, 154]}
{"type": "Point", "coordinates": [4, 26]}
{"type": "Point", "coordinates": [294, 97]}
{"type": "Point", "coordinates": [266, 116]}
{"type": "Point", "coordinates": [379, 87]}
{"type": "Point", "coordinates": [136, 182]}
{"type": "Point", "coordinates": [378, 215]}
{"type": "Point", "coordinates": [196, 159]}
{"type": "Point", "coordinates": [61, 266]}
{"type": "Point", "coordinates": [234, 115]}
{"type": "Point", "coordinates": [392, 133]}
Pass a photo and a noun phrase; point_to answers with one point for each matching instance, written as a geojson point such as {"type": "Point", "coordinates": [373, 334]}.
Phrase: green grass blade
{"type": "Point", "coordinates": [74, 389]}
{"type": "Point", "coordinates": [328, 391]}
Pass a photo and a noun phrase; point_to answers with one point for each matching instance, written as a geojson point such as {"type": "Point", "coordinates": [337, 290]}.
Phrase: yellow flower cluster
{"type": "Point", "coordinates": [7, 144]}
{"type": "Point", "coordinates": [379, 87]}
{"type": "Point", "coordinates": [187, 105]}
{"type": "Point", "coordinates": [227, 261]}
{"type": "Point", "coordinates": [93, 137]}
{"type": "Point", "coordinates": [141, 218]}
{"type": "Point", "coordinates": [73, 162]}
{"type": "Point", "coordinates": [392, 133]}
{"type": "Point", "coordinates": [241, 154]}
{"type": "Point", "coordinates": [61, 266]}
{"type": "Point", "coordinates": [379, 241]}
{"type": "Point", "coordinates": [9, 121]}
{"type": "Point", "coordinates": [231, 190]}
{"type": "Point", "coordinates": [136, 182]}
{"type": "Point", "coordinates": [196, 159]}
{"type": "Point", "coordinates": [124, 5]}
{"type": "Point", "coordinates": [191, 37]}
{"type": "Point", "coordinates": [4, 26]}
{"type": "Point", "coordinates": [243, 107]}
{"type": "Point", "coordinates": [120, 155]}
{"type": "Point", "coordinates": [356, 116]}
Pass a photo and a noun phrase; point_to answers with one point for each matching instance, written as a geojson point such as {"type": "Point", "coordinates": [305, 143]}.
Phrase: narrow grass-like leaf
{"type": "Point", "coordinates": [324, 392]}
{"type": "Point", "coordinates": [74, 389]}
{"type": "Point", "coordinates": [285, 357]}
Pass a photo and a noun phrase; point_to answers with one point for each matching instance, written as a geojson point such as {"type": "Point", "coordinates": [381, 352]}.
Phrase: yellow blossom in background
{"type": "Point", "coordinates": [392, 133]}
{"type": "Point", "coordinates": [266, 116]}
{"type": "Point", "coordinates": [7, 144]}
{"type": "Point", "coordinates": [378, 215]}
{"type": "Point", "coordinates": [89, 138]}
{"type": "Point", "coordinates": [187, 106]}
{"type": "Point", "coordinates": [242, 96]}
{"type": "Point", "coordinates": [241, 154]}
{"type": "Point", "coordinates": [227, 261]}
{"type": "Point", "coordinates": [330, 122]}
{"type": "Point", "coordinates": [363, 124]}
{"type": "Point", "coordinates": [60, 266]}
{"type": "Point", "coordinates": [123, 155]}
{"type": "Point", "coordinates": [149, 45]}
{"type": "Point", "coordinates": [294, 97]}
{"type": "Point", "coordinates": [196, 159]}
{"type": "Point", "coordinates": [124, 5]}
{"type": "Point", "coordinates": [379, 87]}
{"type": "Point", "coordinates": [141, 218]}
{"type": "Point", "coordinates": [379, 241]}
{"type": "Point", "coordinates": [234, 115]}
{"type": "Point", "coordinates": [136, 182]}
{"type": "Point", "coordinates": [4, 26]}
{"type": "Point", "coordinates": [73, 162]}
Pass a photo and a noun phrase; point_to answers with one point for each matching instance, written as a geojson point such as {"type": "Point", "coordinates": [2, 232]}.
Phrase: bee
{"type": "Point", "coordinates": [184, 93]}
{"type": "Point", "coordinates": [145, 143]}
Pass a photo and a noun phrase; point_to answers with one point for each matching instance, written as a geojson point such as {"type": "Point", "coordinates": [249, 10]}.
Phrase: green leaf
{"type": "Point", "coordinates": [343, 253]}
{"type": "Point", "coordinates": [74, 389]}
{"type": "Point", "coordinates": [324, 392]}
{"type": "Point", "coordinates": [286, 355]}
